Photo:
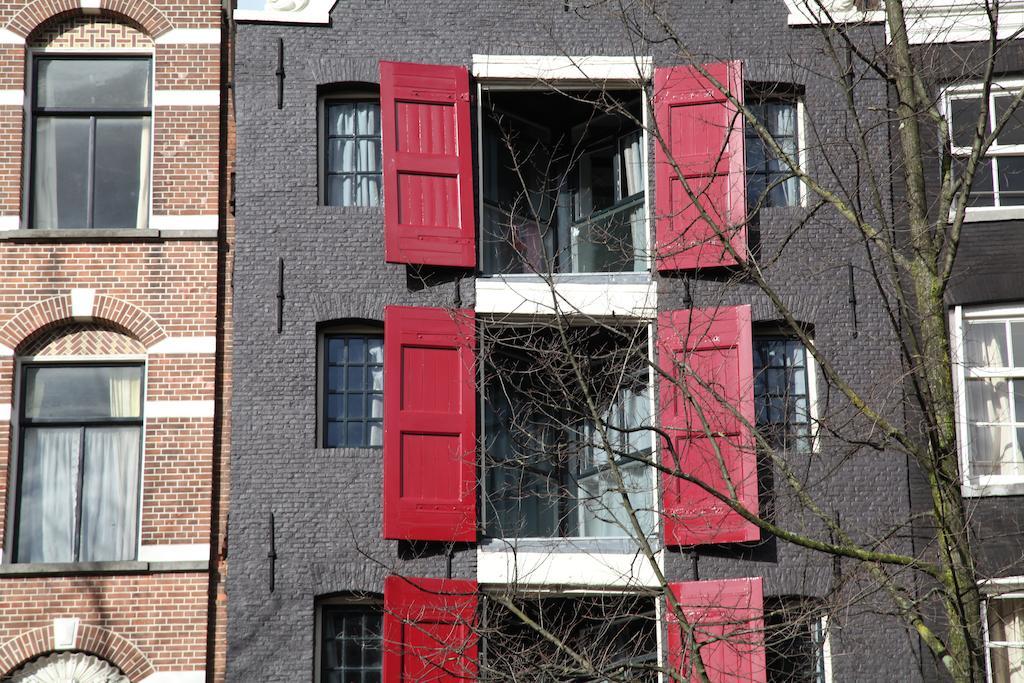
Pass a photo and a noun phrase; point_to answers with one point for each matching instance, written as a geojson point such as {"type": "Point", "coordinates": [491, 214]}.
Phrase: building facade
{"type": "Point", "coordinates": [455, 224]}
{"type": "Point", "coordinates": [113, 238]}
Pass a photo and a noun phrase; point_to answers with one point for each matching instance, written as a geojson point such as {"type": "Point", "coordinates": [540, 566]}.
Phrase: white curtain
{"type": "Point", "coordinates": [49, 480]}
{"type": "Point", "coordinates": [1006, 625]}
{"type": "Point", "coordinates": [785, 132]}
{"type": "Point", "coordinates": [633, 163]}
{"type": "Point", "coordinates": [125, 392]}
{"type": "Point", "coordinates": [358, 153]}
{"type": "Point", "coordinates": [142, 214]}
{"type": "Point", "coordinates": [110, 492]}
{"type": "Point", "coordinates": [44, 182]}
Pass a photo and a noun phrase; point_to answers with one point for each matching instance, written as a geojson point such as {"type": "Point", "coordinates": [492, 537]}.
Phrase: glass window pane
{"type": "Point", "coordinates": [1017, 335]}
{"type": "Point", "coordinates": [340, 190]}
{"type": "Point", "coordinates": [357, 381]}
{"type": "Point", "coordinates": [83, 392]}
{"type": "Point", "coordinates": [341, 119]}
{"type": "Point", "coordinates": [93, 83]}
{"type": "Point", "coordinates": [368, 118]}
{"type": "Point", "coordinates": [1011, 181]}
{"type": "Point", "coordinates": [1013, 132]}
{"type": "Point", "coordinates": [965, 113]}
{"type": "Point", "coordinates": [367, 156]}
{"type": "Point", "coordinates": [121, 194]}
{"type": "Point", "coordinates": [985, 344]}
{"type": "Point", "coordinates": [982, 189]}
{"type": "Point", "coordinates": [990, 446]}
{"type": "Point", "coordinates": [375, 348]}
{"type": "Point", "coordinates": [60, 183]}
{"type": "Point", "coordinates": [988, 400]}
{"type": "Point", "coordinates": [341, 155]}
{"type": "Point", "coordinates": [110, 494]}
{"type": "Point", "coordinates": [376, 434]}
{"type": "Point", "coordinates": [48, 495]}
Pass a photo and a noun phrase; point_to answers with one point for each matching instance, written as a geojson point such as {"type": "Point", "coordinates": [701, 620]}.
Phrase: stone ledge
{"type": "Point", "coordinates": [127, 235]}
{"type": "Point", "coordinates": [87, 568]}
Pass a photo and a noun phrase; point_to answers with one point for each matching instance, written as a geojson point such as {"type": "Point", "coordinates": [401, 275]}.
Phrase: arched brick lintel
{"type": "Point", "coordinates": [49, 313]}
{"type": "Point", "coordinates": [38, 12]}
{"type": "Point", "coordinates": [91, 639]}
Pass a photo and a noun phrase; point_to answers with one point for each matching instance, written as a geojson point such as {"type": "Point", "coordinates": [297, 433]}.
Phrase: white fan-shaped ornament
{"type": "Point", "coordinates": [69, 667]}
{"type": "Point", "coordinates": [287, 5]}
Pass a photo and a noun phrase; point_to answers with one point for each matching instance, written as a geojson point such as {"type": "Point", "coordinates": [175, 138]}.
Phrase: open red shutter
{"type": "Point", "coordinates": [708, 352]}
{"type": "Point", "coordinates": [727, 621]}
{"type": "Point", "coordinates": [429, 424]}
{"type": "Point", "coordinates": [429, 630]}
{"type": "Point", "coordinates": [427, 146]}
{"type": "Point", "coordinates": [704, 135]}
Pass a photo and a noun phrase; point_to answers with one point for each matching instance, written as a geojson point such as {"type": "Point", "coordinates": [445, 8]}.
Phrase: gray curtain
{"type": "Point", "coordinates": [110, 493]}
{"type": "Point", "coordinates": [49, 480]}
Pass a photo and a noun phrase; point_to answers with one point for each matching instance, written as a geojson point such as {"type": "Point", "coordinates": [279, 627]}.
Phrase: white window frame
{"type": "Point", "coordinates": [997, 589]}
{"type": "Point", "coordinates": [535, 72]}
{"type": "Point", "coordinates": [7, 550]}
{"type": "Point", "coordinates": [86, 53]}
{"type": "Point", "coordinates": [972, 91]}
{"type": "Point", "coordinates": [989, 485]}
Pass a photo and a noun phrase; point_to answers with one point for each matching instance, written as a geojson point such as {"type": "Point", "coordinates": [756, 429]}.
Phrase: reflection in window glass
{"type": "Point", "coordinates": [352, 158]}
{"type": "Point", "coordinates": [999, 177]}
{"type": "Point", "coordinates": [770, 181]}
{"type": "Point", "coordinates": [781, 394]}
{"type": "Point", "coordinates": [350, 644]}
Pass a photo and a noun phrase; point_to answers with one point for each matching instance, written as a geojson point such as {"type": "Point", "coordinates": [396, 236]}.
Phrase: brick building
{"type": "Point", "coordinates": [113, 340]}
{"type": "Point", "coordinates": [387, 396]}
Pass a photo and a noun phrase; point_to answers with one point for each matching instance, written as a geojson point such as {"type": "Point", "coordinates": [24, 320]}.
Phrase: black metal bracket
{"type": "Point", "coordinates": [280, 295]}
{"type": "Point", "coordinates": [272, 554]}
{"type": "Point", "coordinates": [853, 297]}
{"type": "Point", "coordinates": [280, 73]}
{"type": "Point", "coordinates": [694, 566]}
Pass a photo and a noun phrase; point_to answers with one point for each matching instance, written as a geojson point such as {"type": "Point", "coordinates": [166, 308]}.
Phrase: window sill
{"type": "Point", "coordinates": [995, 489]}
{"type": "Point", "coordinates": [89, 568]}
{"type": "Point", "coordinates": [126, 235]}
{"type": "Point", "coordinates": [997, 213]}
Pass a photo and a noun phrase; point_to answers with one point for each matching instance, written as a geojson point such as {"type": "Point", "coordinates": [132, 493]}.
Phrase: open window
{"type": "Point", "coordinates": [563, 181]}
{"type": "Point", "coordinates": [554, 464]}
{"type": "Point", "coordinates": [615, 633]}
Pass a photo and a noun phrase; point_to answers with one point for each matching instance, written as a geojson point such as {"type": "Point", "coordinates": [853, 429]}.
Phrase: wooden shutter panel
{"type": "Point", "coordinates": [429, 630]}
{"type": "Point", "coordinates": [727, 620]}
{"type": "Point", "coordinates": [427, 149]}
{"type": "Point", "coordinates": [708, 352]}
{"type": "Point", "coordinates": [429, 424]}
{"type": "Point", "coordinates": [704, 135]}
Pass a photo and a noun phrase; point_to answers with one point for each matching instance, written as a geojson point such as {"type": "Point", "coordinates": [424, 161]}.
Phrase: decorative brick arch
{"type": "Point", "coordinates": [46, 314]}
{"type": "Point", "coordinates": [91, 639]}
{"type": "Point", "coordinates": [39, 12]}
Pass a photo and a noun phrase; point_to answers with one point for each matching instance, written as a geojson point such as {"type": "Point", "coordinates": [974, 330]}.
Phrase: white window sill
{"type": "Point", "coordinates": [995, 213]}
{"type": "Point", "coordinates": [319, 14]}
{"type": "Point", "coordinates": [993, 486]}
{"type": "Point", "coordinates": [511, 565]}
{"type": "Point", "coordinates": [801, 15]}
{"type": "Point", "coordinates": [530, 295]}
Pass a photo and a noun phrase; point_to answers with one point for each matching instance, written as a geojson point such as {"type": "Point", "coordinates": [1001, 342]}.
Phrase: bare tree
{"type": "Point", "coordinates": [571, 444]}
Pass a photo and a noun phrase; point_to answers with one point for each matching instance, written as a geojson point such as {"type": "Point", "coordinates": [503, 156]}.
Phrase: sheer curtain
{"type": "Point", "coordinates": [784, 126]}
{"type": "Point", "coordinates": [125, 393]}
{"type": "Point", "coordinates": [1006, 625]}
{"type": "Point", "coordinates": [110, 492]}
{"type": "Point", "coordinates": [142, 212]}
{"type": "Point", "coordinates": [49, 480]}
{"type": "Point", "coordinates": [632, 162]}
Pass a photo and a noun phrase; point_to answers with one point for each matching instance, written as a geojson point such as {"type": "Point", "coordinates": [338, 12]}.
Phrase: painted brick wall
{"type": "Point", "coordinates": [161, 285]}
{"type": "Point", "coordinates": [327, 501]}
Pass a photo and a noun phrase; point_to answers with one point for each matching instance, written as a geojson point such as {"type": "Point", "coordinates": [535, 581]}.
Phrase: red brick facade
{"type": "Point", "coordinates": [159, 296]}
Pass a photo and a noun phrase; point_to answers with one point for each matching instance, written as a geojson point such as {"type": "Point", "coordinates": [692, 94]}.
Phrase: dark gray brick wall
{"type": "Point", "coordinates": [327, 502]}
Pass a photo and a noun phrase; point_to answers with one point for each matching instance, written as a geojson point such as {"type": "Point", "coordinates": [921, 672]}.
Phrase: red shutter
{"type": "Point", "coordinates": [704, 135]}
{"type": "Point", "coordinates": [429, 630]}
{"type": "Point", "coordinates": [429, 424]}
{"type": "Point", "coordinates": [712, 347]}
{"type": "Point", "coordinates": [727, 620]}
{"type": "Point", "coordinates": [427, 148]}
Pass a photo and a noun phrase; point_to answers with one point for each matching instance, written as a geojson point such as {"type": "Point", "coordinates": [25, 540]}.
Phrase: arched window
{"type": "Point", "coordinates": [68, 666]}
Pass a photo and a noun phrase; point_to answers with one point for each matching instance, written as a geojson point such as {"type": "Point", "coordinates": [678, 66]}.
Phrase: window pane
{"type": "Point", "coordinates": [368, 118]}
{"type": "Point", "coordinates": [1011, 181]}
{"type": "Point", "coordinates": [341, 155]}
{"type": "Point", "coordinates": [982, 192]}
{"type": "Point", "coordinates": [1017, 335]}
{"type": "Point", "coordinates": [122, 173]}
{"type": "Point", "coordinates": [341, 119]}
{"type": "Point", "coordinates": [351, 644]}
{"type": "Point", "coordinates": [83, 392]}
{"type": "Point", "coordinates": [992, 450]}
{"type": "Point", "coordinates": [965, 113]}
{"type": "Point", "coordinates": [60, 186]}
{"type": "Point", "coordinates": [110, 494]}
{"type": "Point", "coordinates": [48, 495]}
{"type": "Point", "coordinates": [985, 344]}
{"type": "Point", "coordinates": [988, 400]}
{"type": "Point", "coordinates": [93, 83]}
{"type": "Point", "coordinates": [353, 404]}
{"type": "Point", "coordinates": [1013, 132]}
{"type": "Point", "coordinates": [781, 392]}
